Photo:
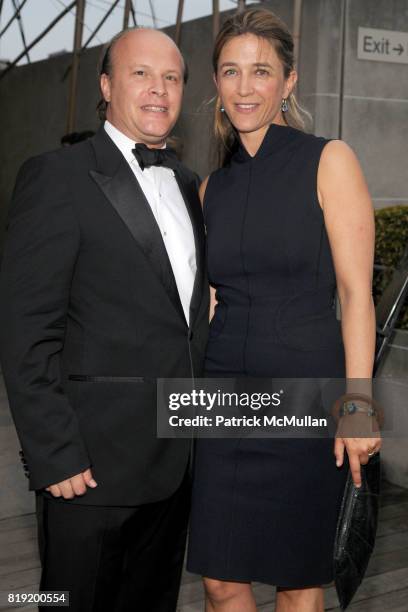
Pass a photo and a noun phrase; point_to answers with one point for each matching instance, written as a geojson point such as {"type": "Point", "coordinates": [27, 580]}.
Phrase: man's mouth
{"type": "Point", "coordinates": [152, 108]}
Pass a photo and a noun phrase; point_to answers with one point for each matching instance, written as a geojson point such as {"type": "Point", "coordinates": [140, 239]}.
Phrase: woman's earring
{"type": "Point", "coordinates": [284, 105]}
{"type": "Point", "coordinates": [222, 109]}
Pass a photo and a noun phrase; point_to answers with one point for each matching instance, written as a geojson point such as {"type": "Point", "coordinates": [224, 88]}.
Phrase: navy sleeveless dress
{"type": "Point", "coordinates": [266, 509]}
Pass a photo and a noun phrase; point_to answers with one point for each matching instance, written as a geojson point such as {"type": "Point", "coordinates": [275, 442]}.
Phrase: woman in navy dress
{"type": "Point", "coordinates": [289, 220]}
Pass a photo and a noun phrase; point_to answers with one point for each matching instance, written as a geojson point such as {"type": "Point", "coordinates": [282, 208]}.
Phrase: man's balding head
{"type": "Point", "coordinates": [150, 35]}
{"type": "Point", "coordinates": [142, 76]}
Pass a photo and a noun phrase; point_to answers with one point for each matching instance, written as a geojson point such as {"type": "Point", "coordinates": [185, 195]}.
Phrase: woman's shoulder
{"type": "Point", "coordinates": [337, 148]}
{"type": "Point", "coordinates": [309, 139]}
{"type": "Point", "coordinates": [322, 150]}
{"type": "Point", "coordinates": [333, 147]}
{"type": "Point", "coordinates": [338, 158]}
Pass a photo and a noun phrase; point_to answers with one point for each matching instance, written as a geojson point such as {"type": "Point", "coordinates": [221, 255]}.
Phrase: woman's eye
{"type": "Point", "coordinates": [230, 71]}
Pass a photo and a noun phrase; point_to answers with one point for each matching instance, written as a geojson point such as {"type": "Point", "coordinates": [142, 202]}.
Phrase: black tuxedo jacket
{"type": "Point", "coordinates": [90, 317]}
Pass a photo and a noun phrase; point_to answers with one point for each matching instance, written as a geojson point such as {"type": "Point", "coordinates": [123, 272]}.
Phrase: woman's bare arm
{"type": "Point", "coordinates": [349, 220]}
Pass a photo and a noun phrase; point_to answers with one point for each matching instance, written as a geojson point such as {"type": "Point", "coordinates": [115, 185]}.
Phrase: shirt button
{"type": "Point", "coordinates": [164, 233]}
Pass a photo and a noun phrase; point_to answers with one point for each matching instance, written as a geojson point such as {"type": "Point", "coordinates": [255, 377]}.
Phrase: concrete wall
{"type": "Point", "coordinates": [375, 103]}
{"type": "Point", "coordinates": [33, 99]}
{"type": "Point", "coordinates": [33, 108]}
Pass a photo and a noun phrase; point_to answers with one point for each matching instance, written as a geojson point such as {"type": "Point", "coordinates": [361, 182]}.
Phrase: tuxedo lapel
{"type": "Point", "coordinates": [119, 185]}
{"type": "Point", "coordinates": [188, 189]}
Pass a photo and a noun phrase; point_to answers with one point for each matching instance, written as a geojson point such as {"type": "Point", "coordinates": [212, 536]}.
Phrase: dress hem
{"type": "Point", "coordinates": [262, 579]}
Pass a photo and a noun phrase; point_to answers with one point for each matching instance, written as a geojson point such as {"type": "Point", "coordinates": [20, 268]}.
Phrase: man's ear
{"type": "Point", "coordinates": [105, 87]}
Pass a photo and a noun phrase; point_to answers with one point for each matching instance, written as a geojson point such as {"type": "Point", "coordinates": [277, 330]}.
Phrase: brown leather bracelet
{"type": "Point", "coordinates": [370, 401]}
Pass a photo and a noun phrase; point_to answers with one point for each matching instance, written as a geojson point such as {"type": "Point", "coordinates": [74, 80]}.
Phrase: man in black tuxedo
{"type": "Point", "coordinates": [103, 291]}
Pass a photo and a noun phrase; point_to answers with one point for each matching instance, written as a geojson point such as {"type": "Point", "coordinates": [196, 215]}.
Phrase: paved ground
{"type": "Point", "coordinates": [385, 588]}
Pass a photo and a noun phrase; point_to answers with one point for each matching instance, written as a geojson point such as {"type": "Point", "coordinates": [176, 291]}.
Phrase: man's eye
{"type": "Point", "coordinates": [139, 72]}
{"type": "Point", "coordinates": [262, 72]}
{"type": "Point", "coordinates": [171, 77]}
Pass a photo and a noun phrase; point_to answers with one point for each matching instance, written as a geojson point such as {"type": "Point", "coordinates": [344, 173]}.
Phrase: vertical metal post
{"type": "Point", "coordinates": [241, 6]}
{"type": "Point", "coordinates": [100, 24]}
{"type": "Point", "coordinates": [344, 17]}
{"type": "Point", "coordinates": [73, 84]}
{"type": "Point", "coordinates": [126, 14]}
{"type": "Point", "coordinates": [20, 25]}
{"type": "Point", "coordinates": [153, 13]}
{"type": "Point", "coordinates": [132, 9]}
{"type": "Point", "coordinates": [177, 36]}
{"type": "Point", "coordinates": [216, 18]}
{"type": "Point", "coordinates": [297, 22]}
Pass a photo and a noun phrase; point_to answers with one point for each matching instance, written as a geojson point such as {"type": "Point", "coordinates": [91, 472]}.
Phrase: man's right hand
{"type": "Point", "coordinates": [76, 485]}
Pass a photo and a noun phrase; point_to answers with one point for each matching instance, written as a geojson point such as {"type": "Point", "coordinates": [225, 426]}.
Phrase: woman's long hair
{"type": "Point", "coordinates": [260, 22]}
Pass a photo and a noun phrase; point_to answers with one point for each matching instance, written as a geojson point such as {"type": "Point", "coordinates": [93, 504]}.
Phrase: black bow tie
{"type": "Point", "coordinates": [155, 157]}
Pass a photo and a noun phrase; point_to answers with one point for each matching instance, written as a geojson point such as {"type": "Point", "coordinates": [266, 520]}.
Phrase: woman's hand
{"type": "Point", "coordinates": [359, 449]}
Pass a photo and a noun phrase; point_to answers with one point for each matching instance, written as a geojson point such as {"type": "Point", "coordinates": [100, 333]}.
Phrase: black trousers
{"type": "Point", "coordinates": [117, 559]}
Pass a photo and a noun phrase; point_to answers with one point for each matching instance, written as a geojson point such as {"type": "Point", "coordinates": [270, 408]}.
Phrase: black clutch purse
{"type": "Point", "coordinates": [356, 529]}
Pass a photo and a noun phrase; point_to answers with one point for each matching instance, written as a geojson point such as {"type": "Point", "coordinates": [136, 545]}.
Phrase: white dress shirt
{"type": "Point", "coordinates": [163, 194]}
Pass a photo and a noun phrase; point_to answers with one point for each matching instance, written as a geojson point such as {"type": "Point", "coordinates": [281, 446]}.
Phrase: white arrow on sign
{"type": "Point", "coordinates": [382, 45]}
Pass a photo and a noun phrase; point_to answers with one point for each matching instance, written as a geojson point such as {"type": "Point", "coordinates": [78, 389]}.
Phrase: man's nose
{"type": "Point", "coordinates": [159, 87]}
